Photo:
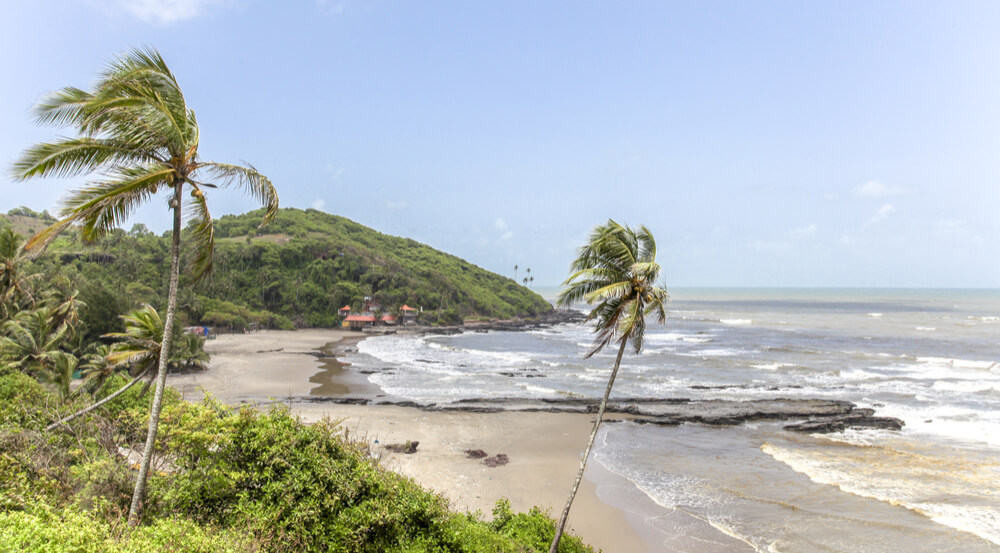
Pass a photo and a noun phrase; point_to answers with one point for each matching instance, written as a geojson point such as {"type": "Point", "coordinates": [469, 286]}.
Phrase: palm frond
{"type": "Point", "coordinates": [63, 107]}
{"type": "Point", "coordinates": [250, 180]}
{"type": "Point", "coordinates": [616, 271]}
{"type": "Point", "coordinates": [74, 156]}
{"type": "Point", "coordinates": [203, 233]}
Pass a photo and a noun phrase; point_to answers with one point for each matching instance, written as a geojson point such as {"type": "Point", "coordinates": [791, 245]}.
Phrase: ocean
{"type": "Point", "coordinates": [928, 357]}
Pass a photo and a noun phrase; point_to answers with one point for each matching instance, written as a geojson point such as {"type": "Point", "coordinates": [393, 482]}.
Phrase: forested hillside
{"type": "Point", "coordinates": [296, 272]}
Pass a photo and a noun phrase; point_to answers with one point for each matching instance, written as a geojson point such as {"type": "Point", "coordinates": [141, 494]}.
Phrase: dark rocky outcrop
{"type": "Point", "coordinates": [857, 418]}
{"type": "Point", "coordinates": [820, 415]}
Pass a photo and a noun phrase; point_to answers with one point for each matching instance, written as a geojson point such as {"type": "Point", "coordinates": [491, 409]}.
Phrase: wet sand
{"type": "Point", "coordinates": [544, 449]}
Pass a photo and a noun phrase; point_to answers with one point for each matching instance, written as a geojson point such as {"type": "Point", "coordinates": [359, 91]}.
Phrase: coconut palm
{"type": "Point", "coordinates": [138, 350]}
{"type": "Point", "coordinates": [15, 286]}
{"type": "Point", "coordinates": [617, 271]}
{"type": "Point", "coordinates": [136, 130]}
{"type": "Point", "coordinates": [32, 340]}
{"type": "Point", "coordinates": [97, 368]}
{"type": "Point", "coordinates": [60, 376]}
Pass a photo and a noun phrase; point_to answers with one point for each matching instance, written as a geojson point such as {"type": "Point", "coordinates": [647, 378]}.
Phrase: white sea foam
{"type": "Point", "coordinates": [875, 315]}
{"type": "Point", "coordinates": [926, 485]}
{"type": "Point", "coordinates": [958, 363]}
{"type": "Point", "coordinates": [770, 366]}
{"type": "Point", "coordinates": [667, 337]}
{"type": "Point", "coordinates": [736, 322]}
{"type": "Point", "coordinates": [711, 352]}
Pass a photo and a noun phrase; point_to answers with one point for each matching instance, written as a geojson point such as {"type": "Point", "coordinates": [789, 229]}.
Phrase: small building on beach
{"type": "Point", "coordinates": [408, 314]}
{"type": "Point", "coordinates": [344, 311]}
{"type": "Point", "coordinates": [360, 322]}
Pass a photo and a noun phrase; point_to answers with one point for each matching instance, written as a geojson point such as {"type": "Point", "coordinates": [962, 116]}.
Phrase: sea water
{"type": "Point", "coordinates": [928, 357]}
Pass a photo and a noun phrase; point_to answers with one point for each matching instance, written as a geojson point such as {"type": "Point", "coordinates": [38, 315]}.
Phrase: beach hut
{"type": "Point", "coordinates": [344, 311]}
{"type": "Point", "coordinates": [409, 315]}
{"type": "Point", "coordinates": [388, 320]}
{"type": "Point", "coordinates": [360, 322]}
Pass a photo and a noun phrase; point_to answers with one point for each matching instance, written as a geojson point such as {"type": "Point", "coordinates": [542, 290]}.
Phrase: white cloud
{"type": "Point", "coordinates": [803, 232]}
{"type": "Point", "coordinates": [318, 203]}
{"type": "Point", "coordinates": [791, 239]}
{"type": "Point", "coordinates": [949, 224]}
{"type": "Point", "coordinates": [882, 214]}
{"type": "Point", "coordinates": [335, 172]}
{"type": "Point", "coordinates": [501, 225]}
{"type": "Point", "coordinates": [768, 246]}
{"type": "Point", "coordinates": [326, 7]}
{"type": "Point", "coordinates": [164, 12]}
{"type": "Point", "coordinates": [876, 189]}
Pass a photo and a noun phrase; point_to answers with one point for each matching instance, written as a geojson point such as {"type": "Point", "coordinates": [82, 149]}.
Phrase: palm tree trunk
{"type": "Point", "coordinates": [561, 526]}
{"type": "Point", "coordinates": [86, 410]}
{"type": "Point", "coordinates": [161, 372]}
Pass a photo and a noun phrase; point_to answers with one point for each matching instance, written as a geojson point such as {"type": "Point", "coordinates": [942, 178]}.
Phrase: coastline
{"type": "Point", "coordinates": [543, 448]}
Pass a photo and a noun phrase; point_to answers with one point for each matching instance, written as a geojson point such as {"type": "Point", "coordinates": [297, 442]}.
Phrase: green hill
{"type": "Point", "coordinates": [307, 265]}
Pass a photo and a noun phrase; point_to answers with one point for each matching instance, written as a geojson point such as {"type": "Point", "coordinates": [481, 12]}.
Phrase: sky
{"type": "Point", "coordinates": [776, 144]}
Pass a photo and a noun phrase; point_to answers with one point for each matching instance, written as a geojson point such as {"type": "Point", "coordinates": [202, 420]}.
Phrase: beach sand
{"type": "Point", "coordinates": [544, 449]}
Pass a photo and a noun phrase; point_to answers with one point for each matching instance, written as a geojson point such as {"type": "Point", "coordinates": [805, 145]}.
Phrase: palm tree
{"type": "Point", "coordinates": [617, 271]}
{"type": "Point", "coordinates": [138, 349]}
{"type": "Point", "coordinates": [61, 375]}
{"type": "Point", "coordinates": [32, 340]}
{"type": "Point", "coordinates": [97, 368]}
{"type": "Point", "coordinates": [15, 286]}
{"type": "Point", "coordinates": [137, 131]}
{"type": "Point", "coordinates": [515, 273]}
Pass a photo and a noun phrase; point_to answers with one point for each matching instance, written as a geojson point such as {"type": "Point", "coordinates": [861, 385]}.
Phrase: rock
{"type": "Point", "coordinates": [475, 453]}
{"type": "Point", "coordinates": [858, 418]}
{"type": "Point", "coordinates": [499, 460]}
{"type": "Point", "coordinates": [407, 448]}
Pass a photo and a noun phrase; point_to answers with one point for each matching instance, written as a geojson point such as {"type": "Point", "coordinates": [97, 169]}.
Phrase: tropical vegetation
{"type": "Point", "coordinates": [226, 479]}
{"type": "Point", "coordinates": [136, 131]}
{"type": "Point", "coordinates": [295, 273]}
{"type": "Point", "coordinates": [616, 271]}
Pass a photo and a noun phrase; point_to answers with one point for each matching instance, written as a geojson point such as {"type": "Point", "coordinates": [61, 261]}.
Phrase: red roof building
{"type": "Point", "coordinates": [359, 322]}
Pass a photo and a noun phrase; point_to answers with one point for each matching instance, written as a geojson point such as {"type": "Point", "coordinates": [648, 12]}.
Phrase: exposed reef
{"type": "Point", "coordinates": [804, 415]}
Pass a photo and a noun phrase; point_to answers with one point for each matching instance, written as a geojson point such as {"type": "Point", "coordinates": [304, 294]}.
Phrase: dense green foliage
{"type": "Point", "coordinates": [227, 480]}
{"type": "Point", "coordinates": [310, 265]}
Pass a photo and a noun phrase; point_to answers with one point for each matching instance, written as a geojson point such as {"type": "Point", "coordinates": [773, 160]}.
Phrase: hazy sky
{"type": "Point", "coordinates": [764, 143]}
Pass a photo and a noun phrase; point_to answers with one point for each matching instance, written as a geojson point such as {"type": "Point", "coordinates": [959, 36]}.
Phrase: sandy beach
{"type": "Point", "coordinates": [543, 448]}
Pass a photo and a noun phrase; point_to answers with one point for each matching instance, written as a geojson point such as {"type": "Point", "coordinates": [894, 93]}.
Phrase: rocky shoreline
{"type": "Point", "coordinates": [803, 415]}
{"type": "Point", "coordinates": [545, 320]}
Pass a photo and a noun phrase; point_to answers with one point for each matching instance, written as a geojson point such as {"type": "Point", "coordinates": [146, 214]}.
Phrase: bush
{"type": "Point", "coordinates": [229, 480]}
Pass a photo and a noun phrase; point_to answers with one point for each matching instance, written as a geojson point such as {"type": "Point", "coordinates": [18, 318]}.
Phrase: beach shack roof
{"type": "Point", "coordinates": [361, 318]}
{"type": "Point", "coordinates": [345, 308]}
{"type": "Point", "coordinates": [407, 308]}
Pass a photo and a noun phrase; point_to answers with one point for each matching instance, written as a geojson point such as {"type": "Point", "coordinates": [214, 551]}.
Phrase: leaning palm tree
{"type": "Point", "coordinates": [136, 130]}
{"type": "Point", "coordinates": [138, 349]}
{"type": "Point", "coordinates": [617, 271]}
